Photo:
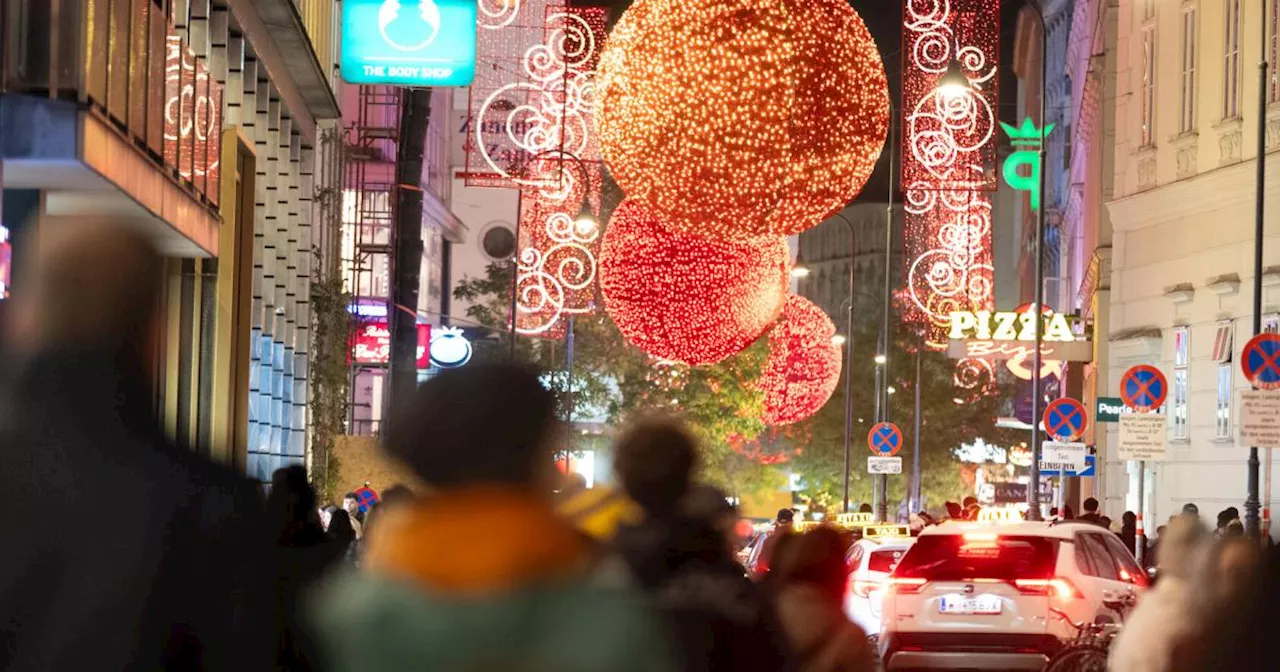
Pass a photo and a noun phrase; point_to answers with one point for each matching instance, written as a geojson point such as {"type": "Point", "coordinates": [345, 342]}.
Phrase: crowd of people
{"type": "Point", "coordinates": [129, 553]}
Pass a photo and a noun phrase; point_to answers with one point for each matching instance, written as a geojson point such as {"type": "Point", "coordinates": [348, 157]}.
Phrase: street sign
{"type": "Point", "coordinates": [1016, 493]}
{"type": "Point", "coordinates": [1142, 437]}
{"type": "Point", "coordinates": [1090, 469]}
{"type": "Point", "coordinates": [884, 465]}
{"type": "Point", "coordinates": [366, 497]}
{"type": "Point", "coordinates": [1260, 418]}
{"type": "Point", "coordinates": [885, 439]}
{"type": "Point", "coordinates": [1261, 361]}
{"type": "Point", "coordinates": [1065, 419]}
{"type": "Point", "coordinates": [425, 43]}
{"type": "Point", "coordinates": [1144, 388]}
{"type": "Point", "coordinates": [1059, 456]}
{"type": "Point", "coordinates": [1110, 409]}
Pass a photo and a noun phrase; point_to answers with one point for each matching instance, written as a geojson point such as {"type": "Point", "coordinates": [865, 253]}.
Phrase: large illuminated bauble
{"type": "Point", "coordinates": [686, 298]}
{"type": "Point", "coordinates": [803, 366]}
{"type": "Point", "coordinates": [739, 118]}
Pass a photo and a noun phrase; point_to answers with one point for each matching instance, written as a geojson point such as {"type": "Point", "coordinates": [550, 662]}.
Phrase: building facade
{"type": "Point", "coordinates": [825, 251]}
{"type": "Point", "coordinates": [1182, 212]}
{"type": "Point", "coordinates": [202, 123]}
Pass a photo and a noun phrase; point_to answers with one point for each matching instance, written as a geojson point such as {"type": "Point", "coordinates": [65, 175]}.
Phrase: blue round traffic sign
{"type": "Point", "coordinates": [1261, 361]}
{"type": "Point", "coordinates": [884, 439]}
{"type": "Point", "coordinates": [1144, 388]}
{"type": "Point", "coordinates": [1065, 419]}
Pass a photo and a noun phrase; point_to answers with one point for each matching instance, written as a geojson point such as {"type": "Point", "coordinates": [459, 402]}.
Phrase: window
{"type": "Point", "coordinates": [1129, 569]}
{"type": "Point", "coordinates": [1187, 111]}
{"type": "Point", "coordinates": [884, 561]}
{"type": "Point", "coordinates": [963, 557]}
{"type": "Point", "coordinates": [1148, 84]}
{"type": "Point", "coordinates": [1231, 62]}
{"type": "Point", "coordinates": [1222, 357]}
{"type": "Point", "coordinates": [1271, 321]}
{"type": "Point", "coordinates": [1181, 364]}
{"type": "Point", "coordinates": [1094, 558]}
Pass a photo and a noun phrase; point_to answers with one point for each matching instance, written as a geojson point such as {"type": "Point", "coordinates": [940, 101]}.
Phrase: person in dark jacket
{"type": "Point", "coordinates": [304, 555]}
{"type": "Point", "coordinates": [181, 578]}
{"type": "Point", "coordinates": [342, 536]}
{"type": "Point", "coordinates": [1091, 514]}
{"type": "Point", "coordinates": [719, 618]}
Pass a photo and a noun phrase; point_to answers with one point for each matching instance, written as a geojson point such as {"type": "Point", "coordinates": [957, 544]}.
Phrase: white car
{"type": "Point", "coordinates": [870, 560]}
{"type": "Point", "coordinates": [999, 596]}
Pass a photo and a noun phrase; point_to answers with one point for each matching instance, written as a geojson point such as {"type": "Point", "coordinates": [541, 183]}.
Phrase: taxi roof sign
{"type": "Point", "coordinates": [886, 532]}
{"type": "Point", "coordinates": [854, 519]}
{"type": "Point", "coordinates": [999, 516]}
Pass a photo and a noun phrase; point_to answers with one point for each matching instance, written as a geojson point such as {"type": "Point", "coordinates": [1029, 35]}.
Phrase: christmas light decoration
{"type": "Point", "coordinates": [686, 298]}
{"type": "Point", "coordinates": [738, 118]}
{"type": "Point", "coordinates": [948, 166]}
{"type": "Point", "coordinates": [803, 366]}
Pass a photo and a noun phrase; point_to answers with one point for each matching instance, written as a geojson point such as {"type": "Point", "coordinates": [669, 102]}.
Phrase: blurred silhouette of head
{"type": "Point", "coordinates": [396, 495]}
{"type": "Point", "coordinates": [815, 558]}
{"type": "Point", "coordinates": [1090, 505]}
{"type": "Point", "coordinates": [293, 505]}
{"type": "Point", "coordinates": [340, 528]}
{"type": "Point", "coordinates": [481, 424]}
{"type": "Point", "coordinates": [1129, 519]}
{"type": "Point", "coordinates": [92, 285]}
{"type": "Point", "coordinates": [865, 508]}
{"type": "Point", "coordinates": [969, 501]}
{"type": "Point", "coordinates": [654, 460]}
{"type": "Point", "coordinates": [954, 510]}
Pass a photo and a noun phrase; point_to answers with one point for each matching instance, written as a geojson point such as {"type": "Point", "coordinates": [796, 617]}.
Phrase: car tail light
{"type": "Point", "coordinates": [863, 588]}
{"type": "Point", "coordinates": [1058, 587]}
{"type": "Point", "coordinates": [905, 585]}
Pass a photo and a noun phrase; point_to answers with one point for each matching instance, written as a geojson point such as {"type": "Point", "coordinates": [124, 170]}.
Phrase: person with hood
{"type": "Point", "coordinates": [483, 574]}
{"type": "Point", "coordinates": [182, 577]}
{"type": "Point", "coordinates": [810, 582]}
{"type": "Point", "coordinates": [718, 617]}
{"type": "Point", "coordinates": [1169, 620]}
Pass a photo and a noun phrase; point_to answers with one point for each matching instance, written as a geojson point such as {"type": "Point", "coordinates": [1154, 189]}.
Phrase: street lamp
{"type": "Point", "coordinates": [1251, 504]}
{"type": "Point", "coordinates": [838, 339]}
{"type": "Point", "coordinates": [800, 272]}
{"type": "Point", "coordinates": [953, 82]}
{"type": "Point", "coordinates": [881, 359]}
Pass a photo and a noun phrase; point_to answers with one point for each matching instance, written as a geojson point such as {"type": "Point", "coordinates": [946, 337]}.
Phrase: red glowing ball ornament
{"type": "Point", "coordinates": [740, 118]}
{"type": "Point", "coordinates": [685, 298]}
{"type": "Point", "coordinates": [803, 366]}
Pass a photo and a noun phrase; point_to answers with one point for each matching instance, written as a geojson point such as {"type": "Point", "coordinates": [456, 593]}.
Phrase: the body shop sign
{"type": "Point", "coordinates": [371, 344]}
{"type": "Point", "coordinates": [409, 42]}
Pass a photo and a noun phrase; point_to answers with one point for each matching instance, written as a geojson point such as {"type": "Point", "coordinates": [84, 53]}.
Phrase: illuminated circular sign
{"type": "Point", "coordinates": [450, 349]}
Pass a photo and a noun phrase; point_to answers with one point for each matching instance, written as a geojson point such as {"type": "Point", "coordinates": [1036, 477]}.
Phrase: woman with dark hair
{"type": "Point", "coordinates": [810, 579]}
{"type": "Point", "coordinates": [342, 536]}
{"type": "Point", "coordinates": [303, 556]}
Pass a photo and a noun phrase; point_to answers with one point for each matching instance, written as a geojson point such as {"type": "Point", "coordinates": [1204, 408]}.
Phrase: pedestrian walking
{"type": "Point", "coordinates": [1091, 514]}
{"type": "Point", "coordinates": [342, 537]}
{"type": "Point", "coordinates": [810, 581]}
{"type": "Point", "coordinates": [683, 565]}
{"type": "Point", "coordinates": [482, 574]}
{"type": "Point", "coordinates": [182, 576]}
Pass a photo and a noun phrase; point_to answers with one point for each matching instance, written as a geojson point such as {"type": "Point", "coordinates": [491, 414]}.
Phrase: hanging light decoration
{"type": "Point", "coordinates": [803, 366]}
{"type": "Point", "coordinates": [739, 118]}
{"type": "Point", "coordinates": [685, 298]}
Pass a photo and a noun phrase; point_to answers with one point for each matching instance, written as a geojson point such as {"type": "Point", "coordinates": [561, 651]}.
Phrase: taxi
{"type": "Point", "coordinates": [870, 560]}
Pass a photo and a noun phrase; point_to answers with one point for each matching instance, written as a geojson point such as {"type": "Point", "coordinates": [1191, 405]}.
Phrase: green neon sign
{"type": "Point", "coordinates": [1027, 141]}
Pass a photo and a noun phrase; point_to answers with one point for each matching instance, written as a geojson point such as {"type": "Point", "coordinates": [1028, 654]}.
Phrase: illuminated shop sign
{"type": "Point", "coordinates": [1027, 141]}
{"type": "Point", "coordinates": [192, 117]}
{"type": "Point", "coordinates": [450, 349]}
{"type": "Point", "coordinates": [371, 344]}
{"type": "Point", "coordinates": [1010, 337]}
{"type": "Point", "coordinates": [409, 42]}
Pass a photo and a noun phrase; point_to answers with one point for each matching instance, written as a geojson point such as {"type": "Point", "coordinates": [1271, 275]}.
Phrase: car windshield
{"type": "Point", "coordinates": [956, 557]}
{"type": "Point", "coordinates": [885, 561]}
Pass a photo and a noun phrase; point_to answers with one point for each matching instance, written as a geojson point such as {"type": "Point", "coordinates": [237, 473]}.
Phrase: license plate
{"type": "Point", "coordinates": [982, 604]}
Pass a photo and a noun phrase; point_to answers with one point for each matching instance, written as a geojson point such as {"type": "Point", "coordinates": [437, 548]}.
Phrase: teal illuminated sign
{"type": "Point", "coordinates": [1027, 141]}
{"type": "Point", "coordinates": [409, 42]}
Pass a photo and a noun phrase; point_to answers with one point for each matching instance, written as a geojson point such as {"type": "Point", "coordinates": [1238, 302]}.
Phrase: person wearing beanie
{"type": "Point", "coordinates": [483, 573]}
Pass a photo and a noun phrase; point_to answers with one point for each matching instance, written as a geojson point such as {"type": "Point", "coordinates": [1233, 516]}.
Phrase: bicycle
{"type": "Point", "coordinates": [1088, 651]}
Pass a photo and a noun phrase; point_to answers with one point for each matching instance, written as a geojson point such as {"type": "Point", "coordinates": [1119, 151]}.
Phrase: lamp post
{"type": "Point", "coordinates": [954, 79]}
{"type": "Point", "coordinates": [1251, 505]}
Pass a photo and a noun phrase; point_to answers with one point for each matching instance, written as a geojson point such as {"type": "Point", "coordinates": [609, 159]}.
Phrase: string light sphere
{"type": "Point", "coordinates": [741, 118]}
{"type": "Point", "coordinates": [686, 298]}
{"type": "Point", "coordinates": [803, 366]}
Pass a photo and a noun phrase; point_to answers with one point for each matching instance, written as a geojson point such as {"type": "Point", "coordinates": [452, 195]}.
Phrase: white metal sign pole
{"type": "Point", "coordinates": [1140, 539]}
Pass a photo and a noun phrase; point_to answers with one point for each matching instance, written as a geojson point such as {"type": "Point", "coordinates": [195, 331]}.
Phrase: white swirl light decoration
{"type": "Point", "coordinates": [497, 14]}
{"type": "Point", "coordinates": [180, 88]}
{"type": "Point", "coordinates": [559, 99]}
{"type": "Point", "coordinates": [546, 278]}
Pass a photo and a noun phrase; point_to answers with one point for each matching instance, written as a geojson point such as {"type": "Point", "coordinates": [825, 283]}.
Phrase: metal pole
{"type": "Point", "coordinates": [1266, 493]}
{"type": "Point", "coordinates": [882, 389]}
{"type": "Point", "coordinates": [1033, 490]}
{"type": "Point", "coordinates": [917, 504]}
{"type": "Point", "coordinates": [568, 442]}
{"type": "Point", "coordinates": [1251, 504]}
{"type": "Point", "coordinates": [1140, 539]}
{"type": "Point", "coordinates": [515, 274]}
{"type": "Point", "coordinates": [848, 364]}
